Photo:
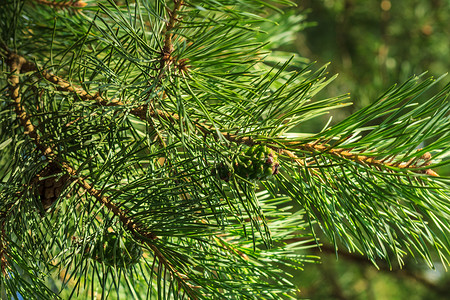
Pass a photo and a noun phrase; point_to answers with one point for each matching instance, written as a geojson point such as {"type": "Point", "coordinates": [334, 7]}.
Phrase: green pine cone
{"type": "Point", "coordinates": [222, 171]}
{"type": "Point", "coordinates": [240, 169]}
{"type": "Point", "coordinates": [132, 252]}
{"type": "Point", "coordinates": [116, 251]}
{"type": "Point", "coordinates": [257, 163]}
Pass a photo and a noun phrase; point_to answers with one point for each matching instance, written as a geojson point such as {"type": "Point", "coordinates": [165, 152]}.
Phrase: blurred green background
{"type": "Point", "coordinates": [371, 45]}
{"type": "Point", "coordinates": [375, 44]}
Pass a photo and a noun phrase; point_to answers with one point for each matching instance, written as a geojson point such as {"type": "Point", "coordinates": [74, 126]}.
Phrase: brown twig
{"type": "Point", "coordinates": [15, 63]}
{"type": "Point", "coordinates": [3, 245]}
{"type": "Point", "coordinates": [166, 53]}
{"type": "Point", "coordinates": [367, 160]}
{"type": "Point", "coordinates": [170, 25]}
{"type": "Point", "coordinates": [298, 160]}
{"type": "Point", "coordinates": [180, 277]}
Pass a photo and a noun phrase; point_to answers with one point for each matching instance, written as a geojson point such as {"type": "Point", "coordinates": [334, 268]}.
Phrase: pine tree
{"type": "Point", "coordinates": [154, 149]}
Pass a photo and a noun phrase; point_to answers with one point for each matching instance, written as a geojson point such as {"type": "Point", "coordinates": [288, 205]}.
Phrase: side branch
{"type": "Point", "coordinates": [15, 63]}
{"type": "Point", "coordinates": [368, 160]}
{"type": "Point", "coordinates": [168, 47]}
{"type": "Point", "coordinates": [166, 53]}
{"type": "Point", "coordinates": [181, 278]}
{"type": "Point", "coordinates": [3, 245]}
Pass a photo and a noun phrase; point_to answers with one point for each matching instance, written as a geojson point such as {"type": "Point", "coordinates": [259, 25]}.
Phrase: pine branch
{"type": "Point", "coordinates": [313, 148]}
{"type": "Point", "coordinates": [143, 112]}
{"type": "Point", "coordinates": [366, 191]}
{"type": "Point", "coordinates": [16, 63]}
{"type": "Point", "coordinates": [317, 148]}
{"type": "Point", "coordinates": [168, 35]}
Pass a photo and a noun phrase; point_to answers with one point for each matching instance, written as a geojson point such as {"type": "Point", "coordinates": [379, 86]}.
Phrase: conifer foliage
{"type": "Point", "coordinates": [154, 149]}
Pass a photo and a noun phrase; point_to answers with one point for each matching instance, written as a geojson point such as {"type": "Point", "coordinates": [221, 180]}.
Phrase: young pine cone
{"type": "Point", "coordinates": [256, 163]}
{"type": "Point", "coordinates": [51, 187]}
{"type": "Point", "coordinates": [114, 250]}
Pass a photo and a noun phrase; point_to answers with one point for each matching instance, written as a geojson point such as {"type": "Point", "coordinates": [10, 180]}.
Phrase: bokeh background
{"type": "Point", "coordinates": [375, 44]}
{"type": "Point", "coordinates": [371, 45]}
